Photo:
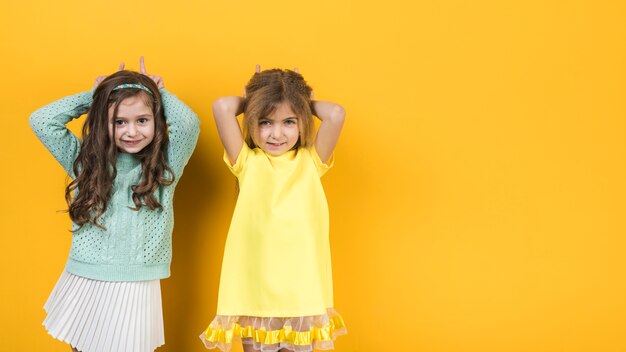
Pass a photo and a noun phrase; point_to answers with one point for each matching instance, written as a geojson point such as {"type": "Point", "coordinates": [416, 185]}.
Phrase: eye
{"type": "Point", "coordinates": [142, 120]}
{"type": "Point", "coordinates": [290, 122]}
{"type": "Point", "coordinates": [119, 122]}
{"type": "Point", "coordinates": [265, 123]}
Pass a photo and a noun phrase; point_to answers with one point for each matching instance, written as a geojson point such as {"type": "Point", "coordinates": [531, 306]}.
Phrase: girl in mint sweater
{"type": "Point", "coordinates": [136, 141]}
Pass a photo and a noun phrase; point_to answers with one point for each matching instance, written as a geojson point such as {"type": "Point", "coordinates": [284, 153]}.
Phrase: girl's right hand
{"type": "Point", "coordinates": [257, 69]}
{"type": "Point", "coordinates": [99, 79]}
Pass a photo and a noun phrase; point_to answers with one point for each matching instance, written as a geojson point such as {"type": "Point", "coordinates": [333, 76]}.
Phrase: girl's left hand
{"type": "Point", "coordinates": [99, 79]}
{"type": "Point", "coordinates": [157, 79]}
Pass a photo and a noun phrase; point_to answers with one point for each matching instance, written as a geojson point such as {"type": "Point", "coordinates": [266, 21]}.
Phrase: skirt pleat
{"type": "Point", "coordinates": [103, 316]}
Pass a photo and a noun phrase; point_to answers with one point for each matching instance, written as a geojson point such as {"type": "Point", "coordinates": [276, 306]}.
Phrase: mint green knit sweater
{"type": "Point", "coordinates": [136, 245]}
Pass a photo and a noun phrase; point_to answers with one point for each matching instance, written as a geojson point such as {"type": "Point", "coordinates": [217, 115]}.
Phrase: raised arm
{"type": "Point", "coordinates": [225, 111]}
{"type": "Point", "coordinates": [332, 116]}
{"type": "Point", "coordinates": [49, 122]}
{"type": "Point", "coordinates": [183, 125]}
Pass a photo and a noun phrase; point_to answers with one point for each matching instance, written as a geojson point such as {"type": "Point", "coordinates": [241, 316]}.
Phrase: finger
{"type": "Point", "coordinates": [99, 80]}
{"type": "Point", "coordinates": [121, 68]}
{"type": "Point", "coordinates": [296, 70]}
{"type": "Point", "coordinates": [142, 66]}
{"type": "Point", "coordinates": [244, 92]}
{"type": "Point", "coordinates": [158, 80]}
{"type": "Point", "coordinates": [257, 69]}
{"type": "Point", "coordinates": [312, 95]}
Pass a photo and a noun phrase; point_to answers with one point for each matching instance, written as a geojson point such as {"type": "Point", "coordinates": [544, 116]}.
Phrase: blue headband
{"type": "Point", "coordinates": [133, 85]}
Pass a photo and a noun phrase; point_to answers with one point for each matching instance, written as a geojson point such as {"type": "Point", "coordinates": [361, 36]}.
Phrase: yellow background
{"type": "Point", "coordinates": [478, 198]}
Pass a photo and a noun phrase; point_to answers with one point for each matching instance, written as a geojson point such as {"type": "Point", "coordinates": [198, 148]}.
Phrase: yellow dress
{"type": "Point", "coordinates": [276, 281]}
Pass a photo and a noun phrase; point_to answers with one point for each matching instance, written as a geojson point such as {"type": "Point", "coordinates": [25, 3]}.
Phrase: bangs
{"type": "Point", "coordinates": [116, 97]}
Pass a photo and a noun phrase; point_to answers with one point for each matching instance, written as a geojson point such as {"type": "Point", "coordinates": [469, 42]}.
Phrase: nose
{"type": "Point", "coordinates": [131, 131]}
{"type": "Point", "coordinates": [276, 131]}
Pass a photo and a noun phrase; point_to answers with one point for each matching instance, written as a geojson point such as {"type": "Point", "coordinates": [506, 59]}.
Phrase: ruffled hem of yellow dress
{"type": "Point", "coordinates": [216, 336]}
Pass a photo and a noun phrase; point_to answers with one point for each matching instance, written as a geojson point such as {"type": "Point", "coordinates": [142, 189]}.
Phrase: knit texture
{"type": "Point", "coordinates": [136, 245]}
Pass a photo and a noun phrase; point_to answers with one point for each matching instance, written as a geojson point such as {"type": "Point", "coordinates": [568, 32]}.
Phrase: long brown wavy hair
{"type": "Point", "coordinates": [268, 89]}
{"type": "Point", "coordinates": [88, 194]}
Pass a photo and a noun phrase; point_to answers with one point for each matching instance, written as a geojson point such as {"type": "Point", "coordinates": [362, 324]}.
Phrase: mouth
{"type": "Point", "coordinates": [276, 145]}
{"type": "Point", "coordinates": [131, 143]}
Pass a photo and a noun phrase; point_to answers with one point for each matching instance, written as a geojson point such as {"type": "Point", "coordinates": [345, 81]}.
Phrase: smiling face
{"type": "Point", "coordinates": [133, 125]}
{"type": "Point", "coordinates": [277, 133]}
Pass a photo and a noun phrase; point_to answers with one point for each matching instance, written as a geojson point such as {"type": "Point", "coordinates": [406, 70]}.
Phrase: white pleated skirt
{"type": "Point", "coordinates": [105, 316]}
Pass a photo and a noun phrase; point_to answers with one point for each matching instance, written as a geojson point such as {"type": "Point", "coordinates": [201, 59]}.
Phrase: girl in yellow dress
{"type": "Point", "coordinates": [276, 285]}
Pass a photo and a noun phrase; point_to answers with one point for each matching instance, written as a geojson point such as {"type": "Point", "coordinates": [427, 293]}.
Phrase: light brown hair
{"type": "Point", "coordinates": [268, 89]}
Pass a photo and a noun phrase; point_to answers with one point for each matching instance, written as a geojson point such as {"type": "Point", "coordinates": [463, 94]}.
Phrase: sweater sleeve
{"type": "Point", "coordinates": [49, 124]}
{"type": "Point", "coordinates": [183, 129]}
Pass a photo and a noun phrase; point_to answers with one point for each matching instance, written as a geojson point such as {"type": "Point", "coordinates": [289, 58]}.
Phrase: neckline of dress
{"type": "Point", "coordinates": [288, 155]}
